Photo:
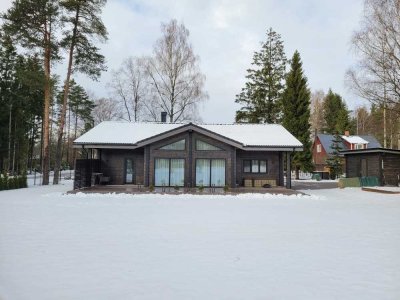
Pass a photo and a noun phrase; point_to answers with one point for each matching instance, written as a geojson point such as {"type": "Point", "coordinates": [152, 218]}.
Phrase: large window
{"type": "Point", "coordinates": [169, 172]}
{"type": "Point", "coordinates": [210, 172]}
{"type": "Point", "coordinates": [255, 166]}
{"type": "Point", "coordinates": [203, 146]}
{"type": "Point", "coordinates": [179, 145]}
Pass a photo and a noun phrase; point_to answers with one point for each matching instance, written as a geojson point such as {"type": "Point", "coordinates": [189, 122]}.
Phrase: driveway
{"type": "Point", "coordinates": [313, 185]}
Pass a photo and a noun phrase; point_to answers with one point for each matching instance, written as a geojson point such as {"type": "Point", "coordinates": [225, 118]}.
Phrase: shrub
{"type": "Point", "coordinates": [10, 182]}
{"type": "Point", "coordinates": [226, 188]}
{"type": "Point", "coordinates": [151, 188]}
{"type": "Point", "coordinates": [1, 183]}
{"type": "Point", "coordinates": [5, 182]}
{"type": "Point", "coordinates": [24, 181]}
{"type": "Point", "coordinates": [201, 188]}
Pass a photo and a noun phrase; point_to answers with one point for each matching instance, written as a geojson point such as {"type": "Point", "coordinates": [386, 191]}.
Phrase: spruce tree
{"type": "Point", "coordinates": [334, 162]}
{"type": "Point", "coordinates": [262, 92]}
{"type": "Point", "coordinates": [296, 113]}
{"type": "Point", "coordinates": [336, 114]}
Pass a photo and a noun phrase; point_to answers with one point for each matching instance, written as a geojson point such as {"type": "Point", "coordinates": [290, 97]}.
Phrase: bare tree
{"type": "Point", "coordinates": [106, 109]}
{"type": "Point", "coordinates": [176, 83]}
{"type": "Point", "coordinates": [363, 120]}
{"type": "Point", "coordinates": [129, 83]}
{"type": "Point", "coordinates": [376, 75]}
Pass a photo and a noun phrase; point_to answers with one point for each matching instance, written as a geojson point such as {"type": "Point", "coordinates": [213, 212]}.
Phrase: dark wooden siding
{"type": "Point", "coordinates": [190, 154]}
{"type": "Point", "coordinates": [272, 162]}
{"type": "Point", "coordinates": [387, 172]}
{"type": "Point", "coordinates": [353, 164]}
{"type": "Point", "coordinates": [113, 164]}
{"type": "Point", "coordinates": [391, 168]}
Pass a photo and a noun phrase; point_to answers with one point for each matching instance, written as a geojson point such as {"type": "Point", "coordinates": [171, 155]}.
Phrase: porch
{"type": "Point", "coordinates": [140, 189]}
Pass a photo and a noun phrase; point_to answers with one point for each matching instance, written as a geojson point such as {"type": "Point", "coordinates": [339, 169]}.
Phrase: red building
{"type": "Point", "coordinates": [322, 148]}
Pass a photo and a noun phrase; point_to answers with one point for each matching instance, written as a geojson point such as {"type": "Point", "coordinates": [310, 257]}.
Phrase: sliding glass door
{"type": "Point", "coordinates": [169, 172]}
{"type": "Point", "coordinates": [210, 172]}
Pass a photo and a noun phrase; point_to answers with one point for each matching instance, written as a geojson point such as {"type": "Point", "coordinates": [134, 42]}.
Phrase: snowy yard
{"type": "Point", "coordinates": [335, 244]}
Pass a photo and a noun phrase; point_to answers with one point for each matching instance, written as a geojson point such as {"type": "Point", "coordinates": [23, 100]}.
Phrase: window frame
{"type": "Point", "coordinates": [250, 161]}
{"type": "Point", "coordinates": [169, 171]}
{"type": "Point", "coordinates": [210, 171]}
{"type": "Point", "coordinates": [201, 141]}
{"type": "Point", "coordinates": [177, 141]}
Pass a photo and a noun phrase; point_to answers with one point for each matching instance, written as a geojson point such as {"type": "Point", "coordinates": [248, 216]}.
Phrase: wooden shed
{"type": "Point", "coordinates": [380, 162]}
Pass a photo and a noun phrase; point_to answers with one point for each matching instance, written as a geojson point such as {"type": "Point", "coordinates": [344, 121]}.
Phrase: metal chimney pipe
{"type": "Point", "coordinates": [164, 117]}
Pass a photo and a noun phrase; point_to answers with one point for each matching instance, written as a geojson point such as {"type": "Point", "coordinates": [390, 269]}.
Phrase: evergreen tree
{"type": "Point", "coordinates": [334, 162]}
{"type": "Point", "coordinates": [83, 18]}
{"type": "Point", "coordinates": [31, 23]}
{"type": "Point", "coordinates": [296, 113]}
{"type": "Point", "coordinates": [21, 100]}
{"type": "Point", "coordinates": [262, 92]}
{"type": "Point", "coordinates": [336, 115]}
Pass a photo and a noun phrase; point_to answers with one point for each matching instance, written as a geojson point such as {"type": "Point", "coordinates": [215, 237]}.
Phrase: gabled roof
{"type": "Point", "coordinates": [139, 134]}
{"type": "Point", "coordinates": [354, 139]}
{"type": "Point", "coordinates": [326, 141]}
{"type": "Point", "coordinates": [372, 141]}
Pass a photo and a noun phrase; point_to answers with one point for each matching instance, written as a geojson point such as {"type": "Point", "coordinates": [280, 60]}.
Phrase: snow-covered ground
{"type": "Point", "coordinates": [335, 244]}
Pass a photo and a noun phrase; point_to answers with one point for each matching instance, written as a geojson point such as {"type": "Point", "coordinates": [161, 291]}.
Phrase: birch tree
{"type": "Point", "coordinates": [176, 82]}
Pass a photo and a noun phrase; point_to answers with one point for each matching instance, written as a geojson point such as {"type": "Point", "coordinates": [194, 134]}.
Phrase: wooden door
{"type": "Point", "coordinates": [364, 167]}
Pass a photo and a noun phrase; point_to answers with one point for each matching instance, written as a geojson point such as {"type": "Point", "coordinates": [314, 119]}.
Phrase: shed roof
{"type": "Point", "coordinates": [370, 150]}
{"type": "Point", "coordinates": [131, 133]}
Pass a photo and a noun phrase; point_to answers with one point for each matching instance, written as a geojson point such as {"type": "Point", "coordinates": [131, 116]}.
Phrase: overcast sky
{"type": "Point", "coordinates": [225, 33]}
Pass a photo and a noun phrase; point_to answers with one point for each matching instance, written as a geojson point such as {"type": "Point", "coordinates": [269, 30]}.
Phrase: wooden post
{"type": "Point", "coordinates": [288, 171]}
{"type": "Point", "coordinates": [281, 169]}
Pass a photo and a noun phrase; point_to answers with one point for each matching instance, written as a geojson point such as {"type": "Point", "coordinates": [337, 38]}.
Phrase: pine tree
{"type": "Point", "coordinates": [334, 162]}
{"type": "Point", "coordinates": [296, 113]}
{"type": "Point", "coordinates": [262, 92]}
{"type": "Point", "coordinates": [85, 23]}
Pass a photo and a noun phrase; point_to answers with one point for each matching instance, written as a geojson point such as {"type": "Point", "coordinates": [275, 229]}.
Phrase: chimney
{"type": "Point", "coordinates": [164, 117]}
{"type": "Point", "coordinates": [347, 133]}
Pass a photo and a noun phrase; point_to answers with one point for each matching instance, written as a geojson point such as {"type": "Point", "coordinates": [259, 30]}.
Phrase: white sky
{"type": "Point", "coordinates": [226, 33]}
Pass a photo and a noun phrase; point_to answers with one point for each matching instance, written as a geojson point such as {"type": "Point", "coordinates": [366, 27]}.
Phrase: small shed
{"type": "Point", "coordinates": [379, 162]}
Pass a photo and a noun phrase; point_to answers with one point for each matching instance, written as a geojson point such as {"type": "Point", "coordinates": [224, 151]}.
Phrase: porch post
{"type": "Point", "coordinates": [288, 171]}
{"type": "Point", "coordinates": [233, 166]}
{"type": "Point", "coordinates": [281, 169]}
{"type": "Point", "coordinates": [190, 182]}
{"type": "Point", "coordinates": [146, 168]}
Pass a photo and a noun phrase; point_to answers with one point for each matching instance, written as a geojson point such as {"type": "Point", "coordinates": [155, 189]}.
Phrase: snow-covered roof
{"type": "Point", "coordinates": [354, 139]}
{"type": "Point", "coordinates": [130, 133]}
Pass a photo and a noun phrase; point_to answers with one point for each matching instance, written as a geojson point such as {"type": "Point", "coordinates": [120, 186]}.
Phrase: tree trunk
{"type": "Point", "coordinates": [9, 142]}
{"type": "Point", "coordinates": [297, 168]}
{"type": "Point", "coordinates": [46, 111]}
{"type": "Point", "coordinates": [58, 160]}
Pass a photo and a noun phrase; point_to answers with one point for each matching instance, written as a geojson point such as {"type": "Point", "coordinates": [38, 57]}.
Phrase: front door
{"type": "Point", "coordinates": [129, 171]}
{"type": "Point", "coordinates": [364, 167]}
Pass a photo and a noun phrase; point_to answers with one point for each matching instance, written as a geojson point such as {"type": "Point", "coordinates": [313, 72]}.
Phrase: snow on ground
{"type": "Point", "coordinates": [336, 244]}
{"type": "Point", "coordinates": [388, 188]}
